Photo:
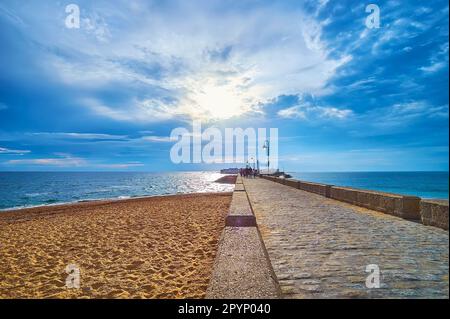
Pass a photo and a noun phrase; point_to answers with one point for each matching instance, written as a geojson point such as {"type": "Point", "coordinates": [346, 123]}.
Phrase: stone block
{"type": "Point", "coordinates": [434, 213]}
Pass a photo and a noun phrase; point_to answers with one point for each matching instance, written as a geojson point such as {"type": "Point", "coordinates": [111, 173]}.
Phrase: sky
{"type": "Point", "coordinates": [107, 95]}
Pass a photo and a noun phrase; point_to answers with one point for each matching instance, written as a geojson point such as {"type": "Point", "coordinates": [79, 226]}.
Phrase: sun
{"type": "Point", "coordinates": [215, 100]}
{"type": "Point", "coordinates": [219, 102]}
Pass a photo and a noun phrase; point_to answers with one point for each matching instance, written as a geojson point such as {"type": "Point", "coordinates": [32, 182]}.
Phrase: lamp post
{"type": "Point", "coordinates": [266, 147]}
{"type": "Point", "coordinates": [254, 162]}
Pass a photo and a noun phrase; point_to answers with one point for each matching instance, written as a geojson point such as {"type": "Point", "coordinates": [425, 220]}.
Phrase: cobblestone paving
{"type": "Point", "coordinates": [319, 247]}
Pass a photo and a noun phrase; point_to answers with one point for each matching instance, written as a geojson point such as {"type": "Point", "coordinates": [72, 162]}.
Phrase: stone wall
{"type": "Point", "coordinates": [430, 212]}
{"type": "Point", "coordinates": [292, 183]}
{"type": "Point", "coordinates": [321, 189]}
{"type": "Point", "coordinates": [434, 213]}
{"type": "Point", "coordinates": [407, 207]}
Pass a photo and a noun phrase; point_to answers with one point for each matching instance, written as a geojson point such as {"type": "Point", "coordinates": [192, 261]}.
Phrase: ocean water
{"type": "Point", "coordinates": [422, 184]}
{"type": "Point", "coordinates": [26, 189]}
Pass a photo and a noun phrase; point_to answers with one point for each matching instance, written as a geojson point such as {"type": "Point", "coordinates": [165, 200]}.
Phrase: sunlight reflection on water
{"type": "Point", "coordinates": [23, 189]}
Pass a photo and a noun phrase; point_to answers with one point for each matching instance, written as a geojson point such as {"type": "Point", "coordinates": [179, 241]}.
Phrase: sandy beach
{"type": "Point", "coordinates": [158, 247]}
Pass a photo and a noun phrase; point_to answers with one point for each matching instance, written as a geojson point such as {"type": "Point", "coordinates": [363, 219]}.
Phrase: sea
{"type": "Point", "coordinates": [423, 184]}
{"type": "Point", "coordinates": [29, 189]}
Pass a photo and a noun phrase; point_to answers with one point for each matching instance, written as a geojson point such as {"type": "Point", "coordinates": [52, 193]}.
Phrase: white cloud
{"type": "Point", "coordinates": [9, 151]}
{"type": "Point", "coordinates": [81, 136]}
{"type": "Point", "coordinates": [434, 67]}
{"type": "Point", "coordinates": [438, 60]}
{"type": "Point", "coordinates": [120, 166]}
{"type": "Point", "coordinates": [395, 118]}
{"type": "Point", "coordinates": [67, 160]}
{"type": "Point", "coordinates": [361, 84]}
{"type": "Point", "coordinates": [416, 109]}
{"type": "Point", "coordinates": [332, 112]}
{"type": "Point", "coordinates": [159, 139]}
{"type": "Point", "coordinates": [149, 110]}
{"type": "Point", "coordinates": [210, 63]}
{"type": "Point", "coordinates": [96, 25]}
{"type": "Point", "coordinates": [64, 160]}
{"type": "Point", "coordinates": [400, 25]}
{"type": "Point", "coordinates": [308, 110]}
{"type": "Point", "coordinates": [292, 112]}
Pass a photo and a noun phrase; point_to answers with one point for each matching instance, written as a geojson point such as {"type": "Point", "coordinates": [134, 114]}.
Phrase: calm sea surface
{"type": "Point", "coordinates": [422, 184]}
{"type": "Point", "coordinates": [24, 189]}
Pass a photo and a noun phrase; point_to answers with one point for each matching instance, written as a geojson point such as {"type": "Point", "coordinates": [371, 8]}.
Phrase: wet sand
{"type": "Point", "coordinates": [158, 247]}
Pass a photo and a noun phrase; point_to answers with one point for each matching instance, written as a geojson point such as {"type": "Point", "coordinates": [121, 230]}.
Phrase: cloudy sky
{"type": "Point", "coordinates": [106, 96]}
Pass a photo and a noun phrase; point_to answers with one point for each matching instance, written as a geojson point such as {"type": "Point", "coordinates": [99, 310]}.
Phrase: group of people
{"type": "Point", "coordinates": [248, 172]}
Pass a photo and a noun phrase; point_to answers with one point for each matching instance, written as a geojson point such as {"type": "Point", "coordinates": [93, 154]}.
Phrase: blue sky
{"type": "Point", "coordinates": [107, 95]}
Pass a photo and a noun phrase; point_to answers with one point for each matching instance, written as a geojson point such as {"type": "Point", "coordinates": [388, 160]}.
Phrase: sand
{"type": "Point", "coordinates": [159, 247]}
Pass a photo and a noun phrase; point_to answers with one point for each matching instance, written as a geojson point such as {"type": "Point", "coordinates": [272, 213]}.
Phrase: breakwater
{"type": "Point", "coordinates": [429, 212]}
{"type": "Point", "coordinates": [242, 268]}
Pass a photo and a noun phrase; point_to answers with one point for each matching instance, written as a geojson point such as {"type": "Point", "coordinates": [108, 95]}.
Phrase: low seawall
{"type": "Point", "coordinates": [407, 207]}
{"type": "Point", "coordinates": [316, 188]}
{"type": "Point", "coordinates": [434, 213]}
{"type": "Point", "coordinates": [242, 268]}
{"type": "Point", "coordinates": [429, 212]}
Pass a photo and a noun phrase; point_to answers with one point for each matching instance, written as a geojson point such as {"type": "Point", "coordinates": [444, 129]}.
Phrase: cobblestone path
{"type": "Point", "coordinates": [320, 248]}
